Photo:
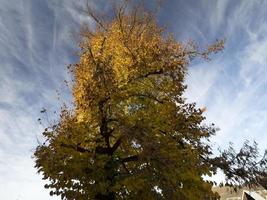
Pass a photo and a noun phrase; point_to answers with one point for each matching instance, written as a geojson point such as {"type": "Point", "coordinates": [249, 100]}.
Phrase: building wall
{"type": "Point", "coordinates": [228, 193]}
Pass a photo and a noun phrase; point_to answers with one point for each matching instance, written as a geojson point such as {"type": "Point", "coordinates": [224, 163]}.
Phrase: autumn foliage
{"type": "Point", "coordinates": [131, 134]}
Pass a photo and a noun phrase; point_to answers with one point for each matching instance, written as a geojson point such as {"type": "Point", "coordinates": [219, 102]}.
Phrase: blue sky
{"type": "Point", "coordinates": [37, 43]}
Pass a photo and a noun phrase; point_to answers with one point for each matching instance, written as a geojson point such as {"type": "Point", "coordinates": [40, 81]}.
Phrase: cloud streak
{"type": "Point", "coordinates": [35, 46]}
{"type": "Point", "coordinates": [233, 85]}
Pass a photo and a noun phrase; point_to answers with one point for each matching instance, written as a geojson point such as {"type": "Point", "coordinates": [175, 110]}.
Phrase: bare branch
{"type": "Point", "coordinates": [91, 14]}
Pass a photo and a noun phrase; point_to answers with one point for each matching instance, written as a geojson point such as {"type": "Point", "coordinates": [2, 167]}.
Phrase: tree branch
{"type": "Point", "coordinates": [116, 145]}
{"type": "Point", "coordinates": [146, 96]}
{"type": "Point", "coordinates": [130, 159]}
{"type": "Point", "coordinates": [157, 72]}
{"type": "Point", "coordinates": [77, 148]}
{"type": "Point", "coordinates": [96, 19]}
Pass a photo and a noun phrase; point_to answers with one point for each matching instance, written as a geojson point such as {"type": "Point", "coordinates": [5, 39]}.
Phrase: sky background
{"type": "Point", "coordinates": [37, 42]}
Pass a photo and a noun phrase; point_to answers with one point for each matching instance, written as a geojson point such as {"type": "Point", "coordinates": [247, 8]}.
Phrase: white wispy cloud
{"type": "Point", "coordinates": [234, 88]}
{"type": "Point", "coordinates": [36, 45]}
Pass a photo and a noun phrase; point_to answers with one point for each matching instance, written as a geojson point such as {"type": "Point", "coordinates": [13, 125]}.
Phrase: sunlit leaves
{"type": "Point", "coordinates": [130, 130]}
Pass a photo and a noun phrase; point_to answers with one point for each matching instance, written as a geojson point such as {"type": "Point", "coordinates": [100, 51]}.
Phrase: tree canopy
{"type": "Point", "coordinates": [131, 134]}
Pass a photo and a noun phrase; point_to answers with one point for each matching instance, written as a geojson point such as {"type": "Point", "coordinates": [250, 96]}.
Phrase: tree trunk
{"type": "Point", "coordinates": [109, 196]}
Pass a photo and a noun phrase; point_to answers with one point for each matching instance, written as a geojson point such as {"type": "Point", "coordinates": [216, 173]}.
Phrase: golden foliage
{"type": "Point", "coordinates": [131, 131]}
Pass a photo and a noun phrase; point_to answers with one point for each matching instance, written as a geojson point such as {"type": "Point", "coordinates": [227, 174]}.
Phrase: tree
{"type": "Point", "coordinates": [131, 135]}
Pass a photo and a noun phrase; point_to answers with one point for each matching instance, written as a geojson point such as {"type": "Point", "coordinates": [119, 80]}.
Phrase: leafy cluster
{"type": "Point", "coordinates": [131, 134]}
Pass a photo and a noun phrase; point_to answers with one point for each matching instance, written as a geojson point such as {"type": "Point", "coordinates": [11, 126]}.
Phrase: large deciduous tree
{"type": "Point", "coordinates": [131, 135]}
